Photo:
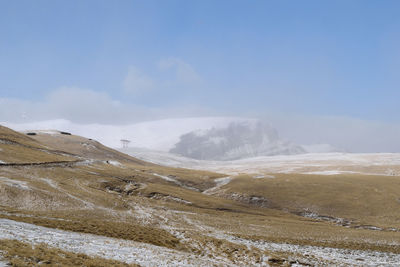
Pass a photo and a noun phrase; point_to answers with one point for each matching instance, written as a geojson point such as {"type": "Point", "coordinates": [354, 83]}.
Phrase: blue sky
{"type": "Point", "coordinates": [316, 58]}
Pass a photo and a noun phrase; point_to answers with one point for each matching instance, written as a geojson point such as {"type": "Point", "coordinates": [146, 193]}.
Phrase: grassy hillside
{"type": "Point", "coordinates": [19, 148]}
{"type": "Point", "coordinates": [83, 186]}
{"type": "Point", "coordinates": [359, 199]}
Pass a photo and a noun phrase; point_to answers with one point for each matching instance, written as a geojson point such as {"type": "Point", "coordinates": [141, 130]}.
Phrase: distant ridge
{"type": "Point", "coordinates": [214, 138]}
{"type": "Point", "coordinates": [236, 141]}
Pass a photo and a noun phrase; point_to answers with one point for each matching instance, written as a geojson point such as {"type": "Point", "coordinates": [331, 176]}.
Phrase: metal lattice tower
{"type": "Point", "coordinates": [125, 143]}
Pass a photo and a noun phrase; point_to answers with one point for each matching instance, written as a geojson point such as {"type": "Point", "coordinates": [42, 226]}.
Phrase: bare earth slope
{"type": "Point", "coordinates": [78, 196]}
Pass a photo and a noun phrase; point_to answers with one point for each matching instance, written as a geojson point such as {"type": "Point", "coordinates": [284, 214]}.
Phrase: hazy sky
{"type": "Point", "coordinates": [124, 61]}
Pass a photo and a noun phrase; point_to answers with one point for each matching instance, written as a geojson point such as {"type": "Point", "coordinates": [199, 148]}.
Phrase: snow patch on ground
{"type": "Point", "coordinates": [100, 246]}
{"type": "Point", "coordinates": [321, 255]}
{"type": "Point", "coordinates": [329, 172]}
{"type": "Point", "coordinates": [167, 178]}
{"type": "Point", "coordinates": [114, 163]}
{"type": "Point", "coordinates": [150, 255]}
{"type": "Point", "coordinates": [50, 182]}
{"type": "Point", "coordinates": [56, 186]}
{"type": "Point", "coordinates": [173, 180]}
{"type": "Point", "coordinates": [219, 183]}
{"type": "Point", "coordinates": [15, 183]}
{"type": "Point", "coordinates": [313, 255]}
{"type": "Point", "coordinates": [3, 263]}
{"type": "Point", "coordinates": [320, 163]}
{"type": "Point", "coordinates": [176, 199]}
{"type": "Point", "coordinates": [86, 162]}
{"type": "Point", "coordinates": [261, 176]}
{"type": "Point", "coordinates": [88, 146]}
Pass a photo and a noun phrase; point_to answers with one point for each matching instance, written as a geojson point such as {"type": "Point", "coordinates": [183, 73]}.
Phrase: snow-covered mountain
{"type": "Point", "coordinates": [159, 135]}
{"type": "Point", "coordinates": [237, 140]}
{"type": "Point", "coordinates": [213, 138]}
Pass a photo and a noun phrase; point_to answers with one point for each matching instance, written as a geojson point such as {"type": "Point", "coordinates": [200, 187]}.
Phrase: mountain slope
{"type": "Point", "coordinates": [242, 137]}
{"type": "Point", "coordinates": [19, 148]}
{"type": "Point", "coordinates": [157, 135]}
{"type": "Point", "coordinates": [112, 206]}
{"type": "Point", "coordinates": [237, 140]}
{"type": "Point", "coordinates": [81, 146]}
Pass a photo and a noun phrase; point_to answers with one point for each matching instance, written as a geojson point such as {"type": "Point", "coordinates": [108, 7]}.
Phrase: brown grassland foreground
{"type": "Point", "coordinates": [21, 254]}
{"type": "Point", "coordinates": [94, 189]}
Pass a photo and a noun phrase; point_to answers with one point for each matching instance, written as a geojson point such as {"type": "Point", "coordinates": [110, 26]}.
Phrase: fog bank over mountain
{"type": "Point", "coordinates": [159, 135]}
{"type": "Point", "coordinates": [312, 133]}
{"type": "Point", "coordinates": [350, 134]}
{"type": "Point", "coordinates": [236, 141]}
{"type": "Point", "coordinates": [85, 111]}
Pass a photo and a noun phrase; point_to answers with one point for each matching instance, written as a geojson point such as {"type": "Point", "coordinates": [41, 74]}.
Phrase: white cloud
{"type": "Point", "coordinates": [184, 72]}
{"type": "Point", "coordinates": [172, 74]}
{"type": "Point", "coordinates": [86, 106]}
{"type": "Point", "coordinates": [137, 82]}
{"type": "Point", "coordinates": [82, 104]}
{"type": "Point", "coordinates": [76, 104]}
{"type": "Point", "coordinates": [350, 134]}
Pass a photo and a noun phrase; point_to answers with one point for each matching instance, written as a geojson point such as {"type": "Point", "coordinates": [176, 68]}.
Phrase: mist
{"type": "Point", "coordinates": [83, 106]}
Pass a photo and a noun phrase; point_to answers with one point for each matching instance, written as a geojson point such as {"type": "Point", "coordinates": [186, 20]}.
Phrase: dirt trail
{"type": "Point", "coordinates": [45, 164]}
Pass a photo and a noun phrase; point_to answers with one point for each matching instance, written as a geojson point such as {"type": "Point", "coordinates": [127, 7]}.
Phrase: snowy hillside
{"type": "Point", "coordinates": [237, 140]}
{"type": "Point", "coordinates": [310, 163]}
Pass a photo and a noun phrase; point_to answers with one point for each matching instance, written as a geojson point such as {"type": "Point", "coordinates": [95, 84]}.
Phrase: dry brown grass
{"type": "Point", "coordinates": [19, 148]}
{"type": "Point", "coordinates": [244, 219]}
{"type": "Point", "coordinates": [20, 254]}
{"type": "Point", "coordinates": [363, 199]}
{"type": "Point", "coordinates": [82, 222]}
{"type": "Point", "coordinates": [92, 149]}
{"type": "Point", "coordinates": [18, 154]}
{"type": "Point", "coordinates": [101, 199]}
{"type": "Point", "coordinates": [84, 147]}
{"type": "Point", "coordinates": [9, 135]}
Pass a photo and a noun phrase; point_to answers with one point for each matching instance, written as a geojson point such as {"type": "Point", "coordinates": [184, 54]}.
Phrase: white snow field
{"type": "Point", "coordinates": [311, 163]}
{"type": "Point", "coordinates": [324, 256]}
{"type": "Point", "coordinates": [104, 247]}
{"type": "Point", "coordinates": [150, 255]}
{"type": "Point", "coordinates": [319, 164]}
{"type": "Point", "coordinates": [3, 263]}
